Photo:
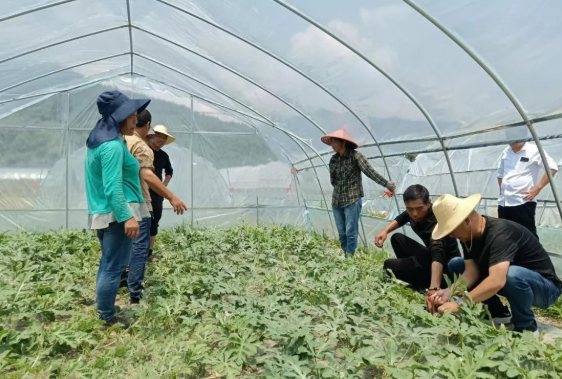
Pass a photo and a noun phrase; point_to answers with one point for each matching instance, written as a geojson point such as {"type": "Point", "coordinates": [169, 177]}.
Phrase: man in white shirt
{"type": "Point", "coordinates": [518, 179]}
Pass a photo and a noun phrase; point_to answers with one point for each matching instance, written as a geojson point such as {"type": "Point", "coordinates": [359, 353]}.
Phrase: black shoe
{"type": "Point", "coordinates": [533, 328]}
{"type": "Point", "coordinates": [114, 321]}
{"type": "Point", "coordinates": [134, 300]}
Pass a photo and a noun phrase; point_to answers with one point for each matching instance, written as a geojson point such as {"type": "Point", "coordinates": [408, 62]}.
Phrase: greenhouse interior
{"type": "Point", "coordinates": [250, 280]}
{"type": "Point", "coordinates": [248, 88]}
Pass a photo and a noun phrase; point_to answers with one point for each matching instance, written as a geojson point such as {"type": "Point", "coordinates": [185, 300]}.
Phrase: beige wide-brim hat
{"type": "Point", "coordinates": [163, 130]}
{"type": "Point", "coordinates": [450, 212]}
{"type": "Point", "coordinates": [340, 134]}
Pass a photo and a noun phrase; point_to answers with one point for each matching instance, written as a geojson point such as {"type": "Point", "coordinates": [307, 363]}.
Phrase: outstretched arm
{"type": "Point", "coordinates": [157, 186]}
{"type": "Point", "coordinates": [371, 173]}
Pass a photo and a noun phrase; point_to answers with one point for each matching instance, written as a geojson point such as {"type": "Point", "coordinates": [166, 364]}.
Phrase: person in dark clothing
{"type": "Point", "coordinates": [421, 266]}
{"type": "Point", "coordinates": [500, 257]}
{"type": "Point", "coordinates": [162, 164]}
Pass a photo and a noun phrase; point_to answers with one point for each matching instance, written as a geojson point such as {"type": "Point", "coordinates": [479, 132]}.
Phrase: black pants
{"type": "Point", "coordinates": [522, 214]}
{"type": "Point", "coordinates": [157, 205]}
{"type": "Point", "coordinates": [412, 263]}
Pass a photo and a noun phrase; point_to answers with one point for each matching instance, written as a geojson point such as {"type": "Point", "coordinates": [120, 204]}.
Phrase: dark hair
{"type": "Point", "coordinates": [143, 118]}
{"type": "Point", "coordinates": [350, 146]}
{"type": "Point", "coordinates": [416, 191]}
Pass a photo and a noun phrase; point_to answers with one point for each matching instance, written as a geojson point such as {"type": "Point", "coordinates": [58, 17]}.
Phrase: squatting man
{"type": "Point", "coordinates": [500, 257]}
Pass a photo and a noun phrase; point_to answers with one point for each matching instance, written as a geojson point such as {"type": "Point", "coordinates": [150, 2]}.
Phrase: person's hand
{"type": "Point", "coordinates": [380, 238]}
{"type": "Point", "coordinates": [430, 307]}
{"type": "Point", "coordinates": [450, 306]}
{"type": "Point", "coordinates": [178, 205]}
{"type": "Point", "coordinates": [391, 186]}
{"type": "Point", "coordinates": [132, 228]}
{"type": "Point", "coordinates": [530, 195]}
{"type": "Point", "coordinates": [437, 299]}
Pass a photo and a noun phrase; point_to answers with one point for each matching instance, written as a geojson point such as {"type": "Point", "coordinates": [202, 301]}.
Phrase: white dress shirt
{"type": "Point", "coordinates": [520, 173]}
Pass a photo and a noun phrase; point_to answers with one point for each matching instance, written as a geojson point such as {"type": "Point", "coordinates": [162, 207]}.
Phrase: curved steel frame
{"type": "Point", "coordinates": [282, 61]}
{"type": "Point", "coordinates": [269, 121]}
{"type": "Point", "coordinates": [499, 82]}
{"type": "Point", "coordinates": [55, 92]}
{"type": "Point", "coordinates": [445, 30]}
{"type": "Point", "coordinates": [129, 25]}
{"type": "Point", "coordinates": [265, 120]}
{"type": "Point", "coordinates": [204, 99]}
{"type": "Point", "coordinates": [418, 105]}
{"type": "Point", "coordinates": [231, 70]}
{"type": "Point", "coordinates": [62, 42]}
{"type": "Point", "coordinates": [62, 70]}
{"type": "Point", "coordinates": [42, 7]}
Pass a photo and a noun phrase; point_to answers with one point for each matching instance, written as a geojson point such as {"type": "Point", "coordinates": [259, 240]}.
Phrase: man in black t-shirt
{"type": "Point", "coordinates": [419, 265]}
{"type": "Point", "coordinates": [162, 164]}
{"type": "Point", "coordinates": [501, 257]}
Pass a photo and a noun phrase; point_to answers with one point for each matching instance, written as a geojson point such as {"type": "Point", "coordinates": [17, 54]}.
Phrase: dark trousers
{"type": "Point", "coordinates": [522, 214]}
{"type": "Point", "coordinates": [157, 206]}
{"type": "Point", "coordinates": [412, 263]}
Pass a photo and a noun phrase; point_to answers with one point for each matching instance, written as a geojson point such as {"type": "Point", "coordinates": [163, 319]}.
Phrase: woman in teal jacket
{"type": "Point", "coordinates": [113, 191]}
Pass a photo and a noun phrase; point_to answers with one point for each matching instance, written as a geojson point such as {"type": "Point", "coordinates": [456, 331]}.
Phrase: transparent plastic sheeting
{"type": "Point", "coordinates": [249, 87]}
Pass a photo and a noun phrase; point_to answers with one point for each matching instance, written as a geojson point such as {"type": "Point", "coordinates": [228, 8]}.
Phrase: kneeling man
{"type": "Point", "coordinates": [500, 257]}
{"type": "Point", "coordinates": [419, 265]}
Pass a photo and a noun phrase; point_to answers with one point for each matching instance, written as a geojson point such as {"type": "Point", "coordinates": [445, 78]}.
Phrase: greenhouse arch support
{"type": "Point", "coordinates": [62, 70]}
{"type": "Point", "coordinates": [130, 34]}
{"type": "Point", "coordinates": [282, 61]}
{"type": "Point", "coordinates": [510, 95]}
{"type": "Point", "coordinates": [267, 121]}
{"type": "Point", "coordinates": [411, 97]}
{"type": "Point", "coordinates": [37, 9]}
{"type": "Point", "coordinates": [231, 70]}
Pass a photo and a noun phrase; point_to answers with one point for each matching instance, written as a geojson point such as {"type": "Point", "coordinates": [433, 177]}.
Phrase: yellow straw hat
{"type": "Point", "coordinates": [163, 130]}
{"type": "Point", "coordinates": [450, 212]}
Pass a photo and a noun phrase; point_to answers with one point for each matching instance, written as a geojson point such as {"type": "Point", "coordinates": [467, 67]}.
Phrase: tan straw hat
{"type": "Point", "coordinates": [340, 134]}
{"type": "Point", "coordinates": [163, 130]}
{"type": "Point", "coordinates": [450, 212]}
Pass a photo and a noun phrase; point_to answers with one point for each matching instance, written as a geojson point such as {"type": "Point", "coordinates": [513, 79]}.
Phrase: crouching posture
{"type": "Point", "coordinates": [500, 257]}
{"type": "Point", "coordinates": [421, 266]}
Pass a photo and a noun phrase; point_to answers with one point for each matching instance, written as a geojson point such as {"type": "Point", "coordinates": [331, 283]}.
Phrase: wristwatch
{"type": "Point", "coordinates": [458, 300]}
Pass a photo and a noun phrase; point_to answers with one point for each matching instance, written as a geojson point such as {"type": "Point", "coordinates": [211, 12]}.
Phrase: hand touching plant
{"type": "Point", "coordinates": [440, 301]}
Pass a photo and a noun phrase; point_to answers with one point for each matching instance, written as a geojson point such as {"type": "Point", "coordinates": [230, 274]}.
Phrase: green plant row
{"type": "Point", "coordinates": [247, 302]}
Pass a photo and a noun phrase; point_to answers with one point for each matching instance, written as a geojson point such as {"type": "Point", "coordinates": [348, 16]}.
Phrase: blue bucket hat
{"type": "Point", "coordinates": [114, 108]}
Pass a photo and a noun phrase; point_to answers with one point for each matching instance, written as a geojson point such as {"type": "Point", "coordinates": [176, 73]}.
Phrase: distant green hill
{"type": "Point", "coordinates": [40, 148]}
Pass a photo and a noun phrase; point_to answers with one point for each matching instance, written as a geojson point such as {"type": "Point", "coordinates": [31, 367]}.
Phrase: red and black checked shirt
{"type": "Point", "coordinates": [345, 176]}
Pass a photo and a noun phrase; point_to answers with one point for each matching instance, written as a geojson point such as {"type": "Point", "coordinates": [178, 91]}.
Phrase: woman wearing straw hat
{"type": "Point", "coordinates": [159, 138]}
{"type": "Point", "coordinates": [345, 175]}
{"type": "Point", "coordinates": [500, 257]}
{"type": "Point", "coordinates": [113, 191]}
